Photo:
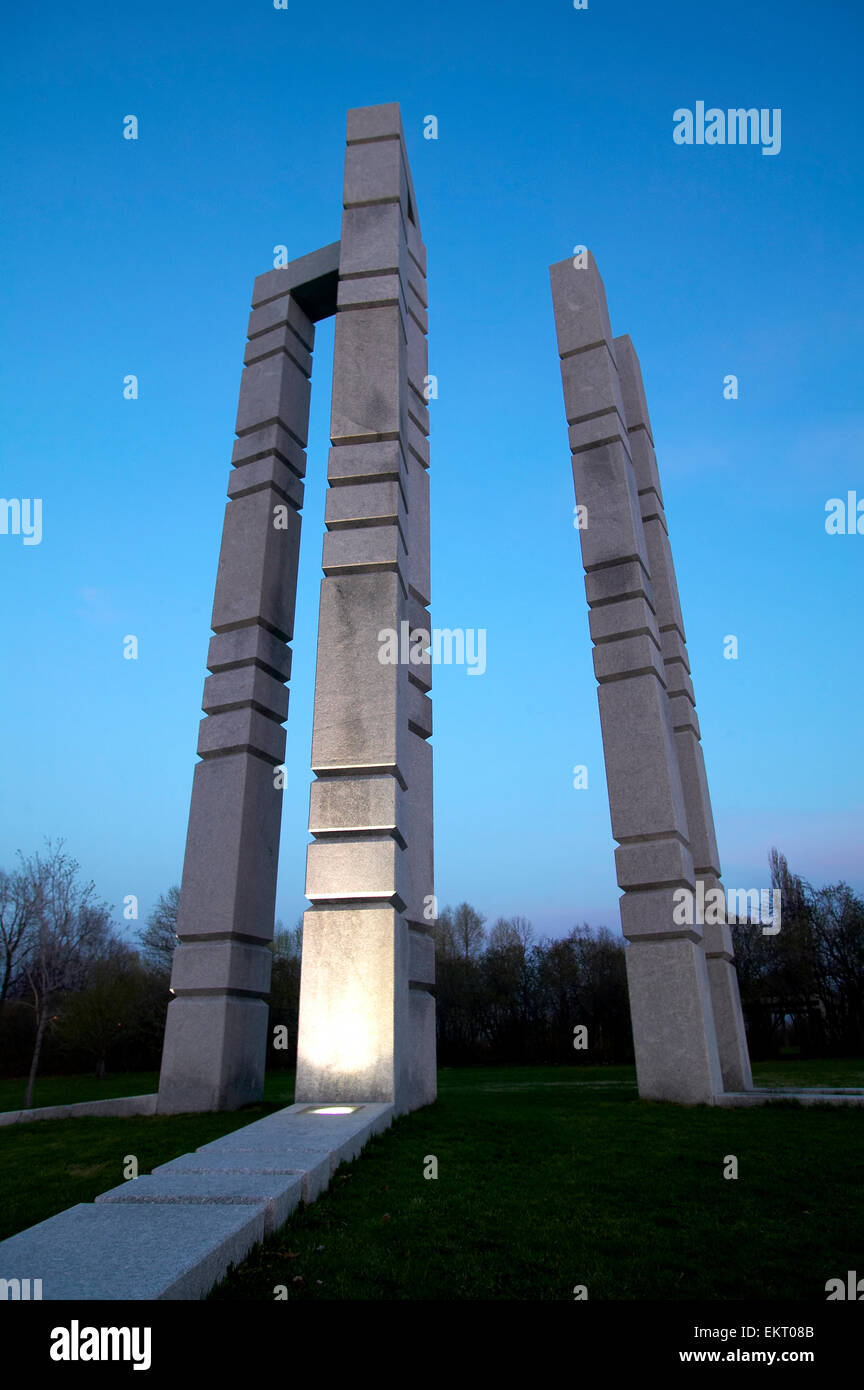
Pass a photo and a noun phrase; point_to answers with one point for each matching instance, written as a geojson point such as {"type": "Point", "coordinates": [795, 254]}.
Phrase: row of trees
{"type": "Point", "coordinates": [69, 982]}
{"type": "Point", "coordinates": [804, 986]}
{"type": "Point", "coordinates": [504, 997]}
{"type": "Point", "coordinates": [72, 988]}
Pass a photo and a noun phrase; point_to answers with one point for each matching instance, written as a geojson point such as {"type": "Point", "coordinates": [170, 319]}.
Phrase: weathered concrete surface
{"type": "Point", "coordinates": [120, 1106]}
{"type": "Point", "coordinates": [364, 1016]}
{"type": "Point", "coordinates": [639, 663]}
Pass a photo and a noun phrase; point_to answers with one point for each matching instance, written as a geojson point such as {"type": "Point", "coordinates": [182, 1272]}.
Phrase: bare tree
{"type": "Point", "coordinates": [510, 933]}
{"type": "Point", "coordinates": [67, 934]}
{"type": "Point", "coordinates": [468, 930]}
{"type": "Point", "coordinates": [17, 910]}
{"type": "Point", "coordinates": [158, 939]}
{"type": "Point", "coordinates": [792, 889]}
{"type": "Point", "coordinates": [445, 941]}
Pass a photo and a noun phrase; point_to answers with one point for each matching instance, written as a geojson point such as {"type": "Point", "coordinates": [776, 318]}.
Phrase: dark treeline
{"type": "Point", "coordinates": [77, 995]}
{"type": "Point", "coordinates": [502, 997]}
{"type": "Point", "coordinates": [803, 987]}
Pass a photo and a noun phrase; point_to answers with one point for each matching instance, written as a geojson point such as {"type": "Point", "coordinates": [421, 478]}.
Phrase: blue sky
{"type": "Point", "coordinates": [555, 129]}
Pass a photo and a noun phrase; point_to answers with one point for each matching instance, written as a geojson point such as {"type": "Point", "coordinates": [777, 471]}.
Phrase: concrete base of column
{"type": "Point", "coordinates": [424, 1077]}
{"type": "Point", "coordinates": [673, 1028]}
{"type": "Point", "coordinates": [354, 1038]}
{"type": "Point", "coordinates": [214, 1053]}
{"type": "Point", "coordinates": [729, 1025]}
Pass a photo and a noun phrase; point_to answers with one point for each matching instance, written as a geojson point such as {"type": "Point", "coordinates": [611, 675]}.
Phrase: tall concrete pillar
{"type": "Point", "coordinates": [367, 1018]}
{"type": "Point", "coordinates": [674, 1036]}
{"type": "Point", "coordinates": [716, 937]}
{"type": "Point", "coordinates": [215, 1037]}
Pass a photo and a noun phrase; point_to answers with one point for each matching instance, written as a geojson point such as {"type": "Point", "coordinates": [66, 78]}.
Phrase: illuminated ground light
{"type": "Point", "coordinates": [331, 1109]}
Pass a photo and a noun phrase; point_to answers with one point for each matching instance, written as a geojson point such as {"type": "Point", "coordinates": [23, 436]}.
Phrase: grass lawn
{"type": "Point", "coordinates": [48, 1165]}
{"type": "Point", "coordinates": [548, 1177]}
{"type": "Point", "coordinates": [69, 1090]}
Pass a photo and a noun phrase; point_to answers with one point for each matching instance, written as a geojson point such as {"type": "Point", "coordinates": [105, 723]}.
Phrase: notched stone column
{"type": "Point", "coordinates": [367, 1018]}
{"type": "Point", "coordinates": [215, 1038]}
{"type": "Point", "coordinates": [716, 938]}
{"type": "Point", "coordinates": [673, 1027]}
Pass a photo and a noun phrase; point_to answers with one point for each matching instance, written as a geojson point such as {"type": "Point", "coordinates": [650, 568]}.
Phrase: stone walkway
{"type": "Point", "coordinates": [173, 1233]}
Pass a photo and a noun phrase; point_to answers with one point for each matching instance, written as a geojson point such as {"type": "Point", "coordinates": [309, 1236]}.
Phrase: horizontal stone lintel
{"type": "Point", "coordinates": [311, 280]}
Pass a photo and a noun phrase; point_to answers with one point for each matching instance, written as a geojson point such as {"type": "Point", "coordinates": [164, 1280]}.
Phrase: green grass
{"type": "Point", "coordinates": [549, 1177]}
{"type": "Point", "coordinates": [823, 1071]}
{"type": "Point", "coordinates": [48, 1165]}
{"type": "Point", "coordinates": [70, 1090]}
